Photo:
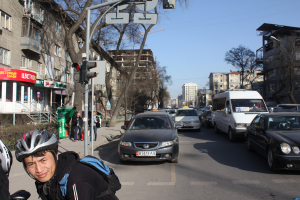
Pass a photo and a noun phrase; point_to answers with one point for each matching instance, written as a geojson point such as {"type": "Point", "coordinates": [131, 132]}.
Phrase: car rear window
{"type": "Point", "coordinates": [187, 113]}
{"type": "Point", "coordinates": [150, 123]}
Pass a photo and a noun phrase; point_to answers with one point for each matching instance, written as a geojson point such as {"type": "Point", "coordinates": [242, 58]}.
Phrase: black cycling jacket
{"type": "Point", "coordinates": [84, 183]}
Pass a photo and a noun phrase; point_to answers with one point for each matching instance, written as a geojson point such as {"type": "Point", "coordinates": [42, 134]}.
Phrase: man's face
{"type": "Point", "coordinates": [41, 168]}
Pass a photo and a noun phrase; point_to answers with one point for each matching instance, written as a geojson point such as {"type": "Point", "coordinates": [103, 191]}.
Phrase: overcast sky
{"type": "Point", "coordinates": [196, 38]}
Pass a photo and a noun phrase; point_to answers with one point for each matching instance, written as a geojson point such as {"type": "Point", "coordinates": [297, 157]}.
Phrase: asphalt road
{"type": "Point", "coordinates": [210, 167]}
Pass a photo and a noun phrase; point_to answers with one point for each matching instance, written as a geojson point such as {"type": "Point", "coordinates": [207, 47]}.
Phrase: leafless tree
{"type": "Point", "coordinates": [242, 58]}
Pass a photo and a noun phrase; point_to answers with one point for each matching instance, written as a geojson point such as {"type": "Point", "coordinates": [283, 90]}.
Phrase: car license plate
{"type": "Point", "coordinates": [146, 153]}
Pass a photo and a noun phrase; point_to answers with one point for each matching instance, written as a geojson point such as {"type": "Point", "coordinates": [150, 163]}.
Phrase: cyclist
{"type": "Point", "coordinates": [38, 151]}
{"type": "Point", "coordinates": [5, 165]}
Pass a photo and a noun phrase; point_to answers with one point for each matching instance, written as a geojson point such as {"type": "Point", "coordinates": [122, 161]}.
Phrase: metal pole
{"type": "Point", "coordinates": [51, 106]}
{"type": "Point", "coordinates": [86, 99]}
{"type": "Point", "coordinates": [92, 114]}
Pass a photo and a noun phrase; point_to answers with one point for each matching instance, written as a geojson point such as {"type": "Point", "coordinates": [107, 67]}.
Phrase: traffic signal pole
{"type": "Point", "coordinates": [86, 94]}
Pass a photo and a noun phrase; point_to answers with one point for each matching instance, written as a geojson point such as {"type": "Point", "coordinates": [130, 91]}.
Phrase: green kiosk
{"type": "Point", "coordinates": [64, 115]}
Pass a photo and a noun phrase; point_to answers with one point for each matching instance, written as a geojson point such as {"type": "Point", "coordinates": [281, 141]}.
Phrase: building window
{"type": "Point", "coordinates": [272, 87]}
{"type": "Point", "coordinates": [297, 42]}
{"type": "Point", "coordinates": [231, 80]}
{"type": "Point", "coordinates": [18, 92]}
{"type": "Point", "coordinates": [68, 78]}
{"type": "Point", "coordinates": [34, 31]}
{"type": "Point", "coordinates": [57, 27]}
{"type": "Point", "coordinates": [231, 85]}
{"type": "Point", "coordinates": [26, 93]}
{"type": "Point", "coordinates": [9, 91]}
{"type": "Point", "coordinates": [68, 58]}
{"type": "Point", "coordinates": [236, 75]}
{"type": "Point", "coordinates": [41, 14]}
{"type": "Point", "coordinates": [236, 80]}
{"type": "Point", "coordinates": [237, 85]}
{"type": "Point", "coordinates": [297, 71]}
{"type": "Point", "coordinates": [5, 20]}
{"type": "Point", "coordinates": [26, 63]}
{"type": "Point", "coordinates": [216, 76]}
{"type": "Point", "coordinates": [4, 56]}
{"type": "Point", "coordinates": [57, 74]}
{"type": "Point", "coordinates": [57, 50]}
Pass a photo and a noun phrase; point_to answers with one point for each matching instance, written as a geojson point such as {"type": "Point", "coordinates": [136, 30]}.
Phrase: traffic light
{"type": "Point", "coordinates": [77, 68]}
{"type": "Point", "coordinates": [85, 74]}
{"type": "Point", "coordinates": [168, 4]}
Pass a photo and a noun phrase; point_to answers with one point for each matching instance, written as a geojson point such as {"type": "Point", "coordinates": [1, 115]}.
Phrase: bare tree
{"type": "Point", "coordinates": [242, 58]}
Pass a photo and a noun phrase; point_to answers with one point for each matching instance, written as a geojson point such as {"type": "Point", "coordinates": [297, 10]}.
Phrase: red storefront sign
{"type": "Point", "coordinates": [17, 75]}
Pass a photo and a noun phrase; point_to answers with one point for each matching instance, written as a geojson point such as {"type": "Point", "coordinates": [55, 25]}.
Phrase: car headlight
{"type": "Point", "coordinates": [126, 144]}
{"type": "Point", "coordinates": [168, 143]}
{"type": "Point", "coordinates": [240, 125]}
{"type": "Point", "coordinates": [196, 122]}
{"type": "Point", "coordinates": [177, 122]}
{"type": "Point", "coordinates": [296, 150]}
{"type": "Point", "coordinates": [285, 148]}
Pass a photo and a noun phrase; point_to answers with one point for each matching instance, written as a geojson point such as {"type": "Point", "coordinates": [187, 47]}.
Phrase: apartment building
{"type": "Point", "coordinates": [146, 69]}
{"type": "Point", "coordinates": [189, 92]}
{"type": "Point", "coordinates": [280, 55]}
{"type": "Point", "coordinates": [35, 67]}
{"type": "Point", "coordinates": [226, 81]}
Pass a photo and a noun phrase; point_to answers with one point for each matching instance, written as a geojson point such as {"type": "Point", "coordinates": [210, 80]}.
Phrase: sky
{"type": "Point", "coordinates": [196, 38]}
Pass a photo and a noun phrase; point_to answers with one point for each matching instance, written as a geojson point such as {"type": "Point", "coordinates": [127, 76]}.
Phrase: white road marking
{"type": "Point", "coordinates": [204, 183]}
{"type": "Point", "coordinates": [284, 181]}
{"type": "Point", "coordinates": [246, 182]}
{"type": "Point", "coordinates": [173, 174]}
{"type": "Point", "coordinates": [161, 183]}
{"type": "Point", "coordinates": [127, 183]}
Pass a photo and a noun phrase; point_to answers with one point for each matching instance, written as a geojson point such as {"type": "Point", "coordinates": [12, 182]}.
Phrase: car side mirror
{"type": "Point", "coordinates": [123, 127]}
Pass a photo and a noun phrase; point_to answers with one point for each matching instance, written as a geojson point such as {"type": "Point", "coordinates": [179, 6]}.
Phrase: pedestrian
{"type": "Point", "coordinates": [95, 120]}
{"type": "Point", "coordinates": [77, 123]}
{"type": "Point", "coordinates": [5, 165]}
{"type": "Point", "coordinates": [38, 151]}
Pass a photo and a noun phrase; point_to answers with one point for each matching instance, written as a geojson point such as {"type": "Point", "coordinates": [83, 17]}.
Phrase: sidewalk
{"type": "Point", "coordinates": [18, 178]}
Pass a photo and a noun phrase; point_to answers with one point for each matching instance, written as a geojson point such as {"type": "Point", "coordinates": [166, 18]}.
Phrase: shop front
{"type": "Point", "coordinates": [16, 88]}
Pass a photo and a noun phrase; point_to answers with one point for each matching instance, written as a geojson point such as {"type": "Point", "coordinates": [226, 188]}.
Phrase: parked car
{"type": "Point", "coordinates": [274, 109]}
{"type": "Point", "coordinates": [187, 119]}
{"type": "Point", "coordinates": [290, 106]}
{"type": "Point", "coordinates": [151, 136]}
{"type": "Point", "coordinates": [277, 137]}
{"type": "Point", "coordinates": [205, 118]}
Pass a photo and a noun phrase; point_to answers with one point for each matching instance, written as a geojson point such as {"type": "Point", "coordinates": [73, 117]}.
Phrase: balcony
{"type": "Point", "coordinates": [31, 35]}
{"type": "Point", "coordinates": [28, 43]}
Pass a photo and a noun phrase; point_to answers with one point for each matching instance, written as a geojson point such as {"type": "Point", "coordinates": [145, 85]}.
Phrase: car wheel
{"type": "Point", "coordinates": [271, 160]}
{"type": "Point", "coordinates": [231, 136]}
{"type": "Point", "coordinates": [175, 160]}
{"type": "Point", "coordinates": [249, 146]}
{"type": "Point", "coordinates": [216, 129]}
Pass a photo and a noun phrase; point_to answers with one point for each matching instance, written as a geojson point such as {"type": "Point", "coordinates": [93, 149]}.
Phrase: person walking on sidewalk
{"type": "Point", "coordinates": [38, 151]}
{"type": "Point", "coordinates": [95, 120]}
{"type": "Point", "coordinates": [77, 122]}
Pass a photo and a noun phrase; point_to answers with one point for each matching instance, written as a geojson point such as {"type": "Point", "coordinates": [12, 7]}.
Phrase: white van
{"type": "Point", "coordinates": [234, 110]}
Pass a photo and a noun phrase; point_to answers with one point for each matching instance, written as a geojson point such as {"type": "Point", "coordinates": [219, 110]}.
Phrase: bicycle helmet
{"type": "Point", "coordinates": [33, 142]}
{"type": "Point", "coordinates": [5, 158]}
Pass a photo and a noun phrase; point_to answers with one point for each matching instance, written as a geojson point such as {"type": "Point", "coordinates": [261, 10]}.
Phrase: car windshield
{"type": "Point", "coordinates": [171, 112]}
{"type": "Point", "coordinates": [150, 123]}
{"type": "Point", "coordinates": [284, 123]}
{"type": "Point", "coordinates": [187, 113]}
{"type": "Point", "coordinates": [248, 105]}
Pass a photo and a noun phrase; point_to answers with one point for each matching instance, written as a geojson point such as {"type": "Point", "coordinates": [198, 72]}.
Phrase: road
{"type": "Point", "coordinates": [210, 167]}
